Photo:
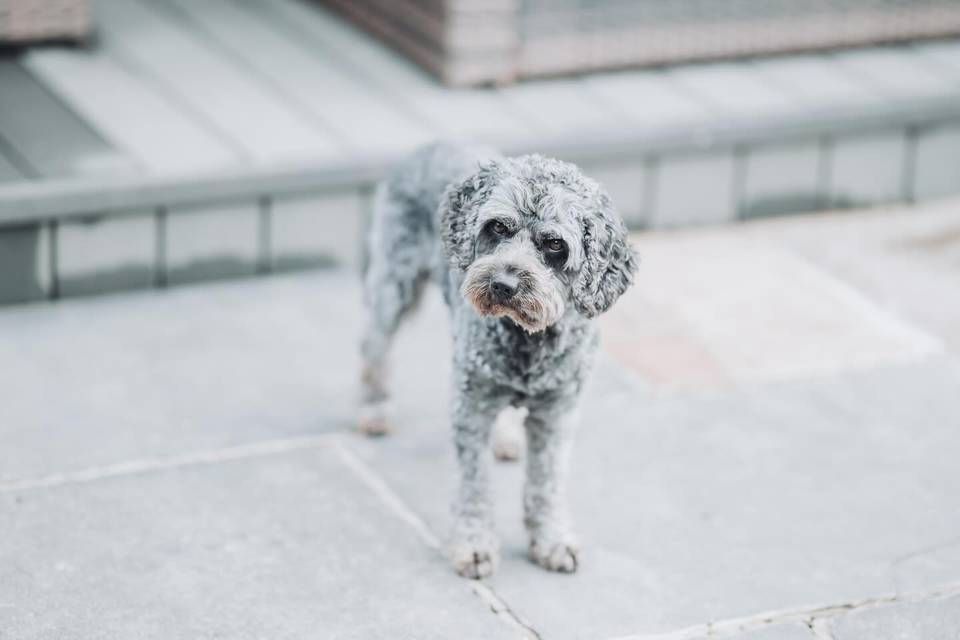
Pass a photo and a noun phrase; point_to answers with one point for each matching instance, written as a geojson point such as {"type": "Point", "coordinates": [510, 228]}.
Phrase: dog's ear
{"type": "Point", "coordinates": [458, 214]}
{"type": "Point", "coordinates": [609, 262]}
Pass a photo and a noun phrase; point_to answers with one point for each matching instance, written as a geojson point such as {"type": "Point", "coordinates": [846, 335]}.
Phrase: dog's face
{"type": "Point", "coordinates": [534, 236]}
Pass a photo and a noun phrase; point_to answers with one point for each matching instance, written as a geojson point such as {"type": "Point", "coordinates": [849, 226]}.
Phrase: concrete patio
{"type": "Point", "coordinates": [769, 452]}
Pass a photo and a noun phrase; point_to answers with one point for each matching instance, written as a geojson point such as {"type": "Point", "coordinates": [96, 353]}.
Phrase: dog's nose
{"type": "Point", "coordinates": [504, 286]}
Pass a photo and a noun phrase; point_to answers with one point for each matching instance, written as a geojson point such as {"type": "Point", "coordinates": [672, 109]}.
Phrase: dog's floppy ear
{"type": "Point", "coordinates": [609, 262]}
{"type": "Point", "coordinates": [458, 214]}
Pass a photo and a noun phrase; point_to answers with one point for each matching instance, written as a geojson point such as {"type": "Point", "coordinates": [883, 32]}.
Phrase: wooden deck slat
{"type": "Point", "coordinates": [217, 89]}
{"type": "Point", "coordinates": [944, 53]}
{"type": "Point", "coordinates": [357, 114]}
{"type": "Point", "coordinates": [8, 172]}
{"type": "Point", "coordinates": [647, 97]}
{"type": "Point", "coordinates": [816, 80]}
{"type": "Point", "coordinates": [471, 113]}
{"type": "Point", "coordinates": [731, 87]}
{"type": "Point", "coordinates": [48, 135]}
{"type": "Point", "coordinates": [370, 59]}
{"type": "Point", "coordinates": [128, 111]}
{"type": "Point", "coordinates": [559, 106]}
{"type": "Point", "coordinates": [476, 113]}
{"type": "Point", "coordinates": [229, 66]}
{"type": "Point", "coordinates": [896, 71]}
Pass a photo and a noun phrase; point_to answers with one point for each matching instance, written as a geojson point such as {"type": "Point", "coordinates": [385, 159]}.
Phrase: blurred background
{"type": "Point", "coordinates": [148, 143]}
{"type": "Point", "coordinates": [770, 443]}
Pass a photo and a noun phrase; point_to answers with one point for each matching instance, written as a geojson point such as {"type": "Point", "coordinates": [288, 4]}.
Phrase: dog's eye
{"type": "Point", "coordinates": [499, 228]}
{"type": "Point", "coordinates": [554, 245]}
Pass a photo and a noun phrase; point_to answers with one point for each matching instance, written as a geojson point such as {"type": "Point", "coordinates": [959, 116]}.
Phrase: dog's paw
{"type": "Point", "coordinates": [507, 449]}
{"type": "Point", "coordinates": [373, 420]}
{"type": "Point", "coordinates": [474, 553]}
{"type": "Point", "coordinates": [474, 562]}
{"type": "Point", "coordinates": [555, 555]}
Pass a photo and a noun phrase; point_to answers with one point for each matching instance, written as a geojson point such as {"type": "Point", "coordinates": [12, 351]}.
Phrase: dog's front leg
{"type": "Point", "coordinates": [474, 548]}
{"type": "Point", "coordinates": [550, 428]}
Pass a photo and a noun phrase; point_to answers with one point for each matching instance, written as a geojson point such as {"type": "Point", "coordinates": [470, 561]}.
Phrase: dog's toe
{"type": "Point", "coordinates": [562, 557]}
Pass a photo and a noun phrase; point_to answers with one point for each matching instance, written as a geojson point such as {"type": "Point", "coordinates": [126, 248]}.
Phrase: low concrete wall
{"type": "Point", "coordinates": [307, 219]}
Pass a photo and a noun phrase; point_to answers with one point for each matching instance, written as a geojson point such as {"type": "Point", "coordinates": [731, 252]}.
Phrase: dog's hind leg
{"type": "Point", "coordinates": [397, 270]}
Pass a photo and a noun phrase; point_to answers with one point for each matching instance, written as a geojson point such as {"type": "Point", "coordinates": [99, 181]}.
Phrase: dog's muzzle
{"type": "Point", "coordinates": [498, 288]}
{"type": "Point", "coordinates": [503, 287]}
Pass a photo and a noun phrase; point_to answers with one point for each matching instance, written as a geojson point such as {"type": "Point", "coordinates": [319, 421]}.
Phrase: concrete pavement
{"type": "Point", "coordinates": [769, 452]}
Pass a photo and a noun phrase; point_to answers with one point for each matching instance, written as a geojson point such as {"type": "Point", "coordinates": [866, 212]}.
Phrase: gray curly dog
{"type": "Point", "coordinates": [527, 251]}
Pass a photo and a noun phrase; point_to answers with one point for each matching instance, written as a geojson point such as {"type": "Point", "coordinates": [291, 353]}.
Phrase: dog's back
{"type": "Point", "coordinates": [404, 242]}
{"type": "Point", "coordinates": [404, 250]}
{"type": "Point", "coordinates": [417, 184]}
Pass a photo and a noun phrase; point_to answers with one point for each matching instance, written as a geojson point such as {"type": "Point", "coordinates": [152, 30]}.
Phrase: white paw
{"type": "Point", "coordinates": [507, 450]}
{"type": "Point", "coordinates": [555, 555]}
{"type": "Point", "coordinates": [474, 562]}
{"type": "Point", "coordinates": [373, 420]}
{"type": "Point", "coordinates": [508, 435]}
{"type": "Point", "coordinates": [475, 556]}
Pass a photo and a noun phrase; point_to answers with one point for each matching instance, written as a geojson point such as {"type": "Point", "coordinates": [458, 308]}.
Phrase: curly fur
{"type": "Point", "coordinates": [468, 218]}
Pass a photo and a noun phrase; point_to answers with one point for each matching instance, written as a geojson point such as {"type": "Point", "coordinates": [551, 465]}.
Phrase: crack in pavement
{"type": "Point", "coordinates": [816, 615]}
{"type": "Point", "coordinates": [395, 503]}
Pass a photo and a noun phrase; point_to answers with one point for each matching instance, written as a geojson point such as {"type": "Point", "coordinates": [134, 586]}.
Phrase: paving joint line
{"type": "Point", "coordinates": [162, 463]}
{"type": "Point", "coordinates": [395, 503]}
{"type": "Point", "coordinates": [360, 469]}
{"type": "Point", "coordinates": [813, 617]}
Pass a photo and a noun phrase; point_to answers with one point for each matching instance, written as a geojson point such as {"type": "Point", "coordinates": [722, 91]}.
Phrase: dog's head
{"type": "Point", "coordinates": [534, 236]}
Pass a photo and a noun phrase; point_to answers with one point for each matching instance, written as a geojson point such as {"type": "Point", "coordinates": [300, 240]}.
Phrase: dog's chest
{"type": "Point", "coordinates": [529, 364]}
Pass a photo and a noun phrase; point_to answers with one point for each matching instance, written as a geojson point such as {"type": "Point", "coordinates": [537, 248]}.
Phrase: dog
{"type": "Point", "coordinates": [527, 251]}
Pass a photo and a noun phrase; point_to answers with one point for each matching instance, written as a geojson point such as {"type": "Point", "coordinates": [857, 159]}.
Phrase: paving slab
{"type": "Point", "coordinates": [904, 259]}
{"type": "Point", "coordinates": [286, 546]}
{"type": "Point", "coordinates": [703, 507]}
{"type": "Point", "coordinates": [825, 479]}
{"type": "Point", "coordinates": [937, 619]}
{"type": "Point", "coordinates": [189, 368]}
{"type": "Point", "coordinates": [712, 505]}
{"type": "Point", "coordinates": [795, 631]}
{"type": "Point", "coordinates": [752, 310]}
{"type": "Point", "coordinates": [931, 565]}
